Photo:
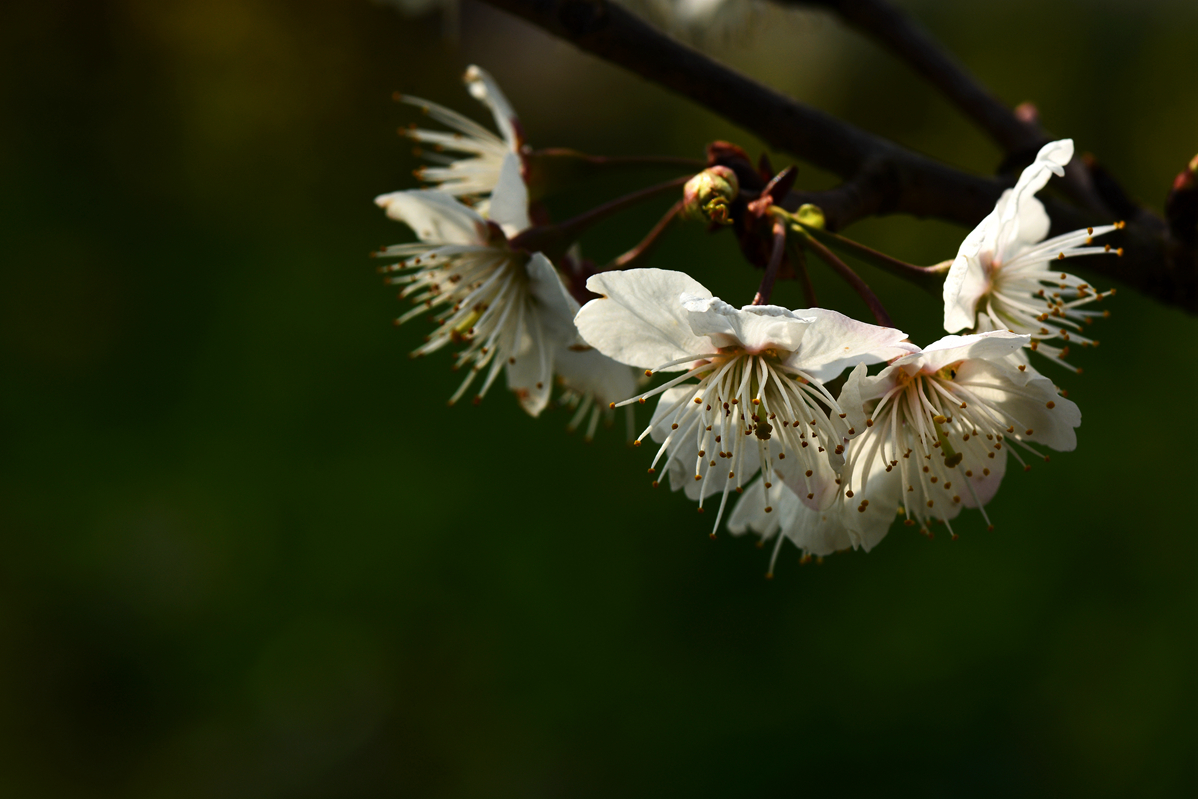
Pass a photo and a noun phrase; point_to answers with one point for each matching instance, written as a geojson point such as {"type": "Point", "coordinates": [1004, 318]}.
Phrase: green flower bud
{"type": "Point", "coordinates": [708, 196]}
{"type": "Point", "coordinates": [810, 215]}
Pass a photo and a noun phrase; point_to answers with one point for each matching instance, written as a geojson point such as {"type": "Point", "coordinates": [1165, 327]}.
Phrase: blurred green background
{"type": "Point", "coordinates": [249, 551]}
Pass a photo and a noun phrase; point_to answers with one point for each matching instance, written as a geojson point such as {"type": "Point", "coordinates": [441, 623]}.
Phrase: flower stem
{"type": "Point", "coordinates": [630, 258]}
{"type": "Point", "coordinates": [929, 277]}
{"type": "Point", "coordinates": [554, 240]}
{"type": "Point", "coordinates": [578, 225]}
{"type": "Point", "coordinates": [771, 269]}
{"type": "Point", "coordinates": [854, 280]}
{"type": "Point", "coordinates": [618, 160]}
{"type": "Point", "coordinates": [800, 260]}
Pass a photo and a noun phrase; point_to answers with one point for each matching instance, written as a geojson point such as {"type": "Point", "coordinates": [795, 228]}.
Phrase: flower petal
{"type": "Point", "coordinates": [1033, 224]}
{"type": "Point", "coordinates": [639, 319]}
{"type": "Point", "coordinates": [817, 491]}
{"type": "Point", "coordinates": [993, 345]}
{"type": "Point", "coordinates": [1026, 399]}
{"type": "Point", "coordinates": [859, 389]}
{"type": "Point", "coordinates": [554, 303]}
{"type": "Point", "coordinates": [509, 200]}
{"type": "Point", "coordinates": [484, 89]}
{"type": "Point", "coordinates": [749, 513]}
{"type": "Point", "coordinates": [530, 372]}
{"type": "Point", "coordinates": [870, 512]}
{"type": "Point", "coordinates": [835, 342]}
{"type": "Point", "coordinates": [814, 532]}
{"type": "Point", "coordinates": [434, 216]}
{"type": "Point", "coordinates": [985, 486]}
{"type": "Point", "coordinates": [1018, 206]}
{"type": "Point", "coordinates": [588, 371]}
{"type": "Point", "coordinates": [967, 280]}
{"type": "Point", "coordinates": [754, 327]}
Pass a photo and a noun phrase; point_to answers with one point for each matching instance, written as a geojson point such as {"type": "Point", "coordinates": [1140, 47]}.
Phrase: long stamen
{"type": "Point", "coordinates": [663, 387]}
{"type": "Point", "coordinates": [774, 556]}
{"type": "Point", "coordinates": [684, 359]}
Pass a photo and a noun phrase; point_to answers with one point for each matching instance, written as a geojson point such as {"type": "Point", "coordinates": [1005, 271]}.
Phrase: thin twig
{"type": "Point", "coordinates": [647, 244]}
{"type": "Point", "coordinates": [575, 227]}
{"type": "Point", "coordinates": [799, 257]}
{"type": "Point", "coordinates": [929, 277]}
{"type": "Point", "coordinates": [771, 269]}
{"type": "Point", "coordinates": [554, 239]}
{"type": "Point", "coordinates": [854, 280]}
{"type": "Point", "coordinates": [619, 160]}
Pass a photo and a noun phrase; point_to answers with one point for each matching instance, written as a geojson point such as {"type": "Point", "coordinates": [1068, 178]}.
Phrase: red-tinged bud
{"type": "Point", "coordinates": [1181, 210]}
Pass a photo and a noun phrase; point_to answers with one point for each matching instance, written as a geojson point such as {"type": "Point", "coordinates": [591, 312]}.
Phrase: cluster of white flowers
{"type": "Point", "coordinates": [748, 409]}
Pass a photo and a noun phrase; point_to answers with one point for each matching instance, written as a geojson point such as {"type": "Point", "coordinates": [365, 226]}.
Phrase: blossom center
{"type": "Point", "coordinates": [479, 297]}
{"type": "Point", "coordinates": [944, 439]}
{"type": "Point", "coordinates": [748, 410]}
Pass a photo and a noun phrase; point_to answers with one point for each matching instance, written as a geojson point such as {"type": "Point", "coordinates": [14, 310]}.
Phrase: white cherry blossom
{"type": "Point", "coordinates": [942, 422]}
{"type": "Point", "coordinates": [1004, 276]}
{"type": "Point", "coordinates": [489, 160]}
{"type": "Point", "coordinates": [509, 310]}
{"type": "Point", "coordinates": [750, 394]}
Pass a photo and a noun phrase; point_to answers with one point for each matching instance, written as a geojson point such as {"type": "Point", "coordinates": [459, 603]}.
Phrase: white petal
{"type": "Point", "coordinates": [484, 88]}
{"type": "Point", "coordinates": [857, 390]}
{"type": "Point", "coordinates": [985, 486]}
{"type": "Point", "coordinates": [967, 280]}
{"type": "Point", "coordinates": [749, 513]}
{"type": "Point", "coordinates": [835, 342]}
{"type": "Point", "coordinates": [434, 216]}
{"type": "Point", "coordinates": [1012, 208]}
{"type": "Point", "coordinates": [588, 371]}
{"type": "Point", "coordinates": [999, 384]}
{"type": "Point", "coordinates": [754, 327]}
{"type": "Point", "coordinates": [821, 485]}
{"type": "Point", "coordinates": [531, 376]}
{"type": "Point", "coordinates": [554, 303]}
{"type": "Point", "coordinates": [680, 469]}
{"type": "Point", "coordinates": [819, 532]}
{"type": "Point", "coordinates": [696, 12]}
{"type": "Point", "coordinates": [509, 200]}
{"type": "Point", "coordinates": [1033, 225]}
{"type": "Point", "coordinates": [814, 532]}
{"type": "Point", "coordinates": [639, 320]}
{"type": "Point", "coordinates": [882, 489]}
{"type": "Point", "coordinates": [1018, 219]}
{"type": "Point", "coordinates": [994, 345]}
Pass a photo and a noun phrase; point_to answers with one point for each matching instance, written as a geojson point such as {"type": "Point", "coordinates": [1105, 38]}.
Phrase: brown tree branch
{"type": "Point", "coordinates": [911, 43]}
{"type": "Point", "coordinates": [881, 177]}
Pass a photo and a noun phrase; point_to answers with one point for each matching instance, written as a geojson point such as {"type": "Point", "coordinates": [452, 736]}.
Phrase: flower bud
{"type": "Point", "coordinates": [708, 196]}
{"type": "Point", "coordinates": [811, 216]}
